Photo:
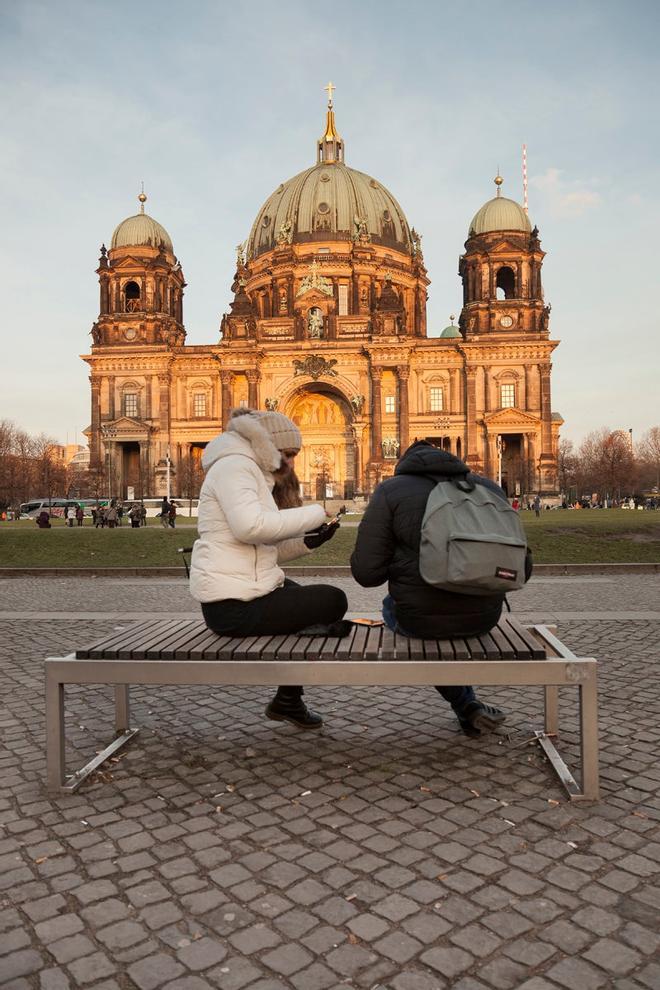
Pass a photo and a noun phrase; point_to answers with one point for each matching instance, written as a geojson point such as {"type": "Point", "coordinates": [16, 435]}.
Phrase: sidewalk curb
{"type": "Point", "coordinates": [334, 570]}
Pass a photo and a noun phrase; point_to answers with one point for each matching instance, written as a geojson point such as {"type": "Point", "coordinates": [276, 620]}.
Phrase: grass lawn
{"type": "Point", "coordinates": [559, 537]}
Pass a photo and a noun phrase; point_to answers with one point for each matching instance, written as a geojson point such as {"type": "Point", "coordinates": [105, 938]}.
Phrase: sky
{"type": "Point", "coordinates": [213, 104]}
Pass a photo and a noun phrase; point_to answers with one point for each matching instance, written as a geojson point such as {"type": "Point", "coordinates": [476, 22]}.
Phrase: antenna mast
{"type": "Point", "coordinates": [524, 170]}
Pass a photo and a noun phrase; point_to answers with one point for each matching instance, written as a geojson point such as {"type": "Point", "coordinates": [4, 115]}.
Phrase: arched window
{"type": "Point", "coordinates": [131, 297]}
{"type": "Point", "coordinates": [506, 283]}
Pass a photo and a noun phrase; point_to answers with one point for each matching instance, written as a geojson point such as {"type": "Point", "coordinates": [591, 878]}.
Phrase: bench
{"type": "Point", "coordinates": [186, 652]}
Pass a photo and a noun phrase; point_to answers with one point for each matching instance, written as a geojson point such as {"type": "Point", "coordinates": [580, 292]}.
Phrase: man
{"type": "Point", "coordinates": [387, 549]}
{"type": "Point", "coordinates": [244, 536]}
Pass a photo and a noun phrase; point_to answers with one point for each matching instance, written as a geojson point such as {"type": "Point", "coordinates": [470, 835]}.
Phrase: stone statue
{"type": "Point", "coordinates": [390, 447]}
{"type": "Point", "coordinates": [272, 404]}
{"type": "Point", "coordinates": [361, 232]}
{"type": "Point", "coordinates": [417, 243]}
{"type": "Point", "coordinates": [285, 233]}
{"type": "Point", "coordinates": [357, 402]}
{"type": "Point", "coordinates": [97, 336]}
{"type": "Point", "coordinates": [284, 303]}
{"type": "Point", "coordinates": [315, 323]}
{"type": "Point", "coordinates": [240, 255]}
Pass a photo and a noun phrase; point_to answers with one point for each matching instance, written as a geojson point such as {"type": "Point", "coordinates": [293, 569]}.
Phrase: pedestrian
{"type": "Point", "coordinates": [515, 505]}
{"type": "Point", "coordinates": [120, 512]}
{"type": "Point", "coordinates": [143, 514]}
{"type": "Point", "coordinates": [70, 516]}
{"type": "Point", "coordinates": [134, 515]}
{"type": "Point", "coordinates": [387, 548]}
{"type": "Point", "coordinates": [80, 514]}
{"type": "Point", "coordinates": [111, 514]}
{"type": "Point", "coordinates": [165, 512]}
{"type": "Point", "coordinates": [244, 537]}
{"type": "Point", "coordinates": [537, 505]}
{"type": "Point", "coordinates": [171, 516]}
{"type": "Point", "coordinates": [43, 520]}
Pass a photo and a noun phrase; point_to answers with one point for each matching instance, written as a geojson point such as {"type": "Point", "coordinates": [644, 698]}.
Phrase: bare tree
{"type": "Point", "coordinates": [607, 463]}
{"type": "Point", "coordinates": [649, 458]}
{"type": "Point", "coordinates": [566, 465]}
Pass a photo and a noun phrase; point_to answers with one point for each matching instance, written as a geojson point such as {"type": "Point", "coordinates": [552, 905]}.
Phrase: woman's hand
{"type": "Point", "coordinates": [316, 537]}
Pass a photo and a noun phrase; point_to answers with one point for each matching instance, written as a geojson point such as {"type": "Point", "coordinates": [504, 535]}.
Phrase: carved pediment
{"type": "Point", "coordinates": [125, 428]}
{"type": "Point", "coordinates": [511, 419]}
{"type": "Point", "coordinates": [129, 262]}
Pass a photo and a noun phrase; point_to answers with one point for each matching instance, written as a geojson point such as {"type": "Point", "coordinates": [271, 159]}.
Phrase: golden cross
{"type": "Point", "coordinates": [329, 89]}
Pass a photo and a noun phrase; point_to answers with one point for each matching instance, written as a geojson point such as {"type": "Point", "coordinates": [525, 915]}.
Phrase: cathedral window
{"type": "Point", "coordinates": [131, 297]}
{"type": "Point", "coordinates": [130, 404]}
{"type": "Point", "coordinates": [343, 300]}
{"type": "Point", "coordinates": [390, 404]}
{"type": "Point", "coordinates": [436, 399]}
{"type": "Point", "coordinates": [506, 283]}
{"type": "Point", "coordinates": [507, 396]}
{"type": "Point", "coordinates": [199, 404]}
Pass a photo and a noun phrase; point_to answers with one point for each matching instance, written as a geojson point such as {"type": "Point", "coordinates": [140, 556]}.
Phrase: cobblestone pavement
{"type": "Point", "coordinates": [224, 851]}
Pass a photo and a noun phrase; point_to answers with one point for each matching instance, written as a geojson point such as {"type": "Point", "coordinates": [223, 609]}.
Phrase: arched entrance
{"type": "Point", "coordinates": [328, 463]}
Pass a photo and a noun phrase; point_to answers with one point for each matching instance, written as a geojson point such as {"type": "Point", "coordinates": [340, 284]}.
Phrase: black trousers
{"type": "Point", "coordinates": [288, 609]}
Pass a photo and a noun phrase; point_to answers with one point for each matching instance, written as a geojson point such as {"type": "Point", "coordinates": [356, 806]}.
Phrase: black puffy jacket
{"type": "Point", "coordinates": [387, 549]}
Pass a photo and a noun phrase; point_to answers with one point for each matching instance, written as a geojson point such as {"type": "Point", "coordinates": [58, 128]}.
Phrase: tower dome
{"type": "Point", "coordinates": [451, 331]}
{"type": "Point", "coordinates": [329, 201]}
{"type": "Point", "coordinates": [499, 213]}
{"type": "Point", "coordinates": [140, 230]}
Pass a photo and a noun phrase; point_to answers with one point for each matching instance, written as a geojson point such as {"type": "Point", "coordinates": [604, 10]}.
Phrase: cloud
{"type": "Point", "coordinates": [563, 197]}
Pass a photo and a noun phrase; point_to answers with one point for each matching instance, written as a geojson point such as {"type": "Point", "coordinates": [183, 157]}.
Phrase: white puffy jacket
{"type": "Point", "coordinates": [242, 534]}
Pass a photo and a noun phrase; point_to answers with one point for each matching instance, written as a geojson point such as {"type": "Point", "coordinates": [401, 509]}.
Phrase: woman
{"type": "Point", "coordinates": [244, 536]}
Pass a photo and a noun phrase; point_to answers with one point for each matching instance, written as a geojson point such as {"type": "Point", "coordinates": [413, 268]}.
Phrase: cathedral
{"type": "Point", "coordinates": [327, 325]}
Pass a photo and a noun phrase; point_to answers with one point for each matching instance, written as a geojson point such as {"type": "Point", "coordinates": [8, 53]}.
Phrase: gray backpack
{"type": "Point", "coordinates": [473, 542]}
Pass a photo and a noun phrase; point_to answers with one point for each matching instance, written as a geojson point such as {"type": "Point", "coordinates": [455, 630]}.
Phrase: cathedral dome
{"type": "Point", "coordinates": [450, 331]}
{"type": "Point", "coordinates": [499, 213]}
{"type": "Point", "coordinates": [139, 230]}
{"type": "Point", "coordinates": [329, 201]}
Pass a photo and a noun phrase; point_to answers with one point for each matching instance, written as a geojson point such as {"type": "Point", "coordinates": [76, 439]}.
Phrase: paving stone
{"type": "Point", "coordinates": [234, 973]}
{"type": "Point", "coordinates": [317, 976]}
{"type": "Point", "coordinates": [91, 968]}
{"type": "Point", "coordinates": [287, 959]}
{"type": "Point", "coordinates": [347, 959]}
{"type": "Point", "coordinates": [575, 974]}
{"type": "Point", "coordinates": [613, 957]}
{"type": "Point", "coordinates": [448, 962]}
{"type": "Point", "coordinates": [68, 949]}
{"type": "Point", "coordinates": [398, 946]}
{"type": "Point", "coordinates": [254, 939]}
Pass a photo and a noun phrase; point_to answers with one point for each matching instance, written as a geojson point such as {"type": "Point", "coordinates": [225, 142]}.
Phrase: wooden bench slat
{"type": "Point", "coordinates": [206, 648]}
{"type": "Point", "coordinates": [390, 648]}
{"type": "Point", "coordinates": [257, 647]}
{"type": "Point", "coordinates": [372, 645]}
{"type": "Point", "coordinates": [133, 646]}
{"type": "Point", "coordinates": [108, 642]}
{"type": "Point", "coordinates": [537, 651]}
{"type": "Point", "coordinates": [345, 647]}
{"type": "Point", "coordinates": [503, 644]}
{"type": "Point", "coordinates": [475, 647]}
{"type": "Point", "coordinates": [272, 651]}
{"type": "Point", "coordinates": [315, 648]}
{"type": "Point", "coordinates": [521, 648]}
{"type": "Point", "coordinates": [359, 642]}
{"type": "Point", "coordinates": [171, 638]}
{"type": "Point", "coordinates": [182, 644]}
{"type": "Point", "coordinates": [299, 648]}
{"type": "Point", "coordinates": [490, 647]}
{"type": "Point", "coordinates": [461, 649]}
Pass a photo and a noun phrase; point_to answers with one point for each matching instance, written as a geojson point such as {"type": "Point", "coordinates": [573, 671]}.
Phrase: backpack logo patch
{"type": "Point", "coordinates": [506, 574]}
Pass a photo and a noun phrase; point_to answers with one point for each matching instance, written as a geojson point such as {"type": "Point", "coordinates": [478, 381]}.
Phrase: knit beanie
{"type": "Point", "coordinates": [283, 432]}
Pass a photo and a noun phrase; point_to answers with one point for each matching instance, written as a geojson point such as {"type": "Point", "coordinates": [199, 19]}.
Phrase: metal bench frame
{"type": "Point", "coordinates": [396, 661]}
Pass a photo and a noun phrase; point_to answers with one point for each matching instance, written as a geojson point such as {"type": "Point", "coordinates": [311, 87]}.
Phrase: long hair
{"type": "Point", "coordinates": [287, 490]}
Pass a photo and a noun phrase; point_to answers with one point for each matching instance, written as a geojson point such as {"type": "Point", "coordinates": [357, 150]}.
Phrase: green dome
{"type": "Point", "coordinates": [451, 331]}
{"type": "Point", "coordinates": [139, 230]}
{"type": "Point", "coordinates": [499, 213]}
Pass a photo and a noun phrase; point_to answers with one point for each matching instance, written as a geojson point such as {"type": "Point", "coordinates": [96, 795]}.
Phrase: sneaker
{"type": "Point", "coordinates": [297, 713]}
{"type": "Point", "coordinates": [477, 717]}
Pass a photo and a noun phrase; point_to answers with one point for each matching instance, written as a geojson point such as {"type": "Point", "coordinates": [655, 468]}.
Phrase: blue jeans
{"type": "Point", "coordinates": [458, 697]}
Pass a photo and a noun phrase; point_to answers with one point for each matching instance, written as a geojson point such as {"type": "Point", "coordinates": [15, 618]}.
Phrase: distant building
{"type": "Point", "coordinates": [328, 325]}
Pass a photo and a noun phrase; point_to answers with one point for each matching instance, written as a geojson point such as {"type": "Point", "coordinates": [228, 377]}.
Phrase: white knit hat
{"type": "Point", "coordinates": [283, 432]}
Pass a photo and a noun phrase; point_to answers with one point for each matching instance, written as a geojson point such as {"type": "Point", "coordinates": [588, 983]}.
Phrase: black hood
{"type": "Point", "coordinates": [423, 458]}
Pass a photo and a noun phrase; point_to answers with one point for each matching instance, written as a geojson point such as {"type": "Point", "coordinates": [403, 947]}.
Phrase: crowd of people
{"type": "Point", "coordinates": [112, 515]}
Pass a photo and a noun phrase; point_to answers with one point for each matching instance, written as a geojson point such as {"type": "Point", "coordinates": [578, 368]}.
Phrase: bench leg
{"type": "Point", "coordinates": [589, 736]}
{"type": "Point", "coordinates": [551, 709]}
{"type": "Point", "coordinates": [122, 708]}
{"type": "Point", "coordinates": [55, 768]}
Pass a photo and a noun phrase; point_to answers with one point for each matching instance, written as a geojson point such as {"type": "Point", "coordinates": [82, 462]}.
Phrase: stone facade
{"type": "Point", "coordinates": [328, 325]}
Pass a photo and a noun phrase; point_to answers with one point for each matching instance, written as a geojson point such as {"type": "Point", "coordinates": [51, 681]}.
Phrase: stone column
{"type": "Point", "coordinates": [253, 375]}
{"type": "Point", "coordinates": [95, 446]}
{"type": "Point", "coordinates": [471, 455]}
{"type": "Point", "coordinates": [403, 374]}
{"type": "Point", "coordinates": [226, 380]}
{"type": "Point", "coordinates": [487, 402]}
{"type": "Point", "coordinates": [376, 374]}
{"type": "Point", "coordinates": [148, 402]}
{"type": "Point", "coordinates": [164, 412]}
{"type": "Point", "coordinates": [111, 397]}
{"type": "Point", "coordinates": [145, 486]}
{"type": "Point", "coordinates": [357, 460]}
{"type": "Point", "coordinates": [546, 412]}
